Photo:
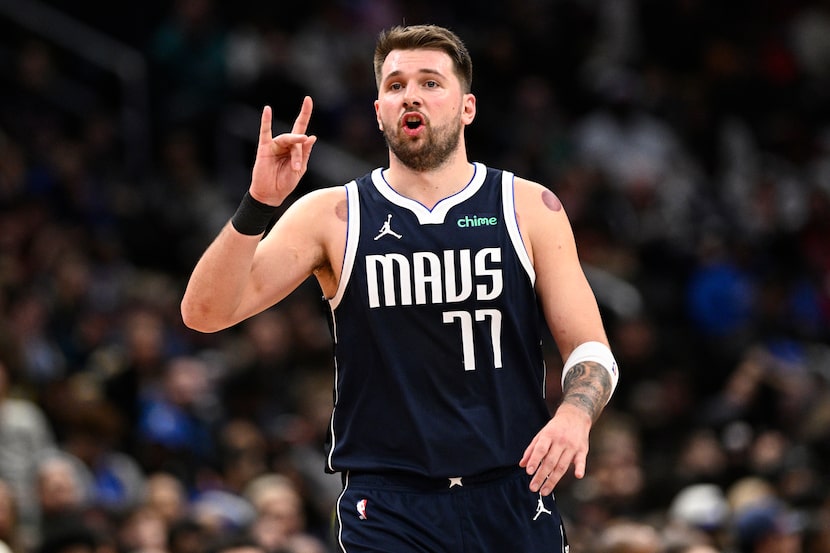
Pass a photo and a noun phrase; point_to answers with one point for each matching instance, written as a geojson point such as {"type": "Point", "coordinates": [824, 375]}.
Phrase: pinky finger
{"type": "Point", "coordinates": [579, 466]}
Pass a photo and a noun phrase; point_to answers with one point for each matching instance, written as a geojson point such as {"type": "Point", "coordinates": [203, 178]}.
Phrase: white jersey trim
{"type": "Point", "coordinates": [352, 239]}
{"type": "Point", "coordinates": [512, 223]}
{"type": "Point", "coordinates": [438, 213]}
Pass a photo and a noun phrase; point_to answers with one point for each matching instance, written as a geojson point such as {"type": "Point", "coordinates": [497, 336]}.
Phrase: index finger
{"type": "Point", "coordinates": [265, 126]}
{"type": "Point", "coordinates": [301, 123]}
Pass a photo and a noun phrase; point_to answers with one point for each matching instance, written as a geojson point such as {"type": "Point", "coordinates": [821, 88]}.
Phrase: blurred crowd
{"type": "Point", "coordinates": [689, 141]}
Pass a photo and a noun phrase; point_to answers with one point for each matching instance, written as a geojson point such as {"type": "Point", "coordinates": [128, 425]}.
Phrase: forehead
{"type": "Point", "coordinates": [417, 61]}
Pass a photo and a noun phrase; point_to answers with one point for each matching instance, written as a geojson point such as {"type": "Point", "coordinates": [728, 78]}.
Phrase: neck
{"type": "Point", "coordinates": [432, 186]}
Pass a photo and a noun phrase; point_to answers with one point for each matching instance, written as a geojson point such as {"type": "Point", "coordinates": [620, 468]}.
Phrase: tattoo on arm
{"type": "Point", "coordinates": [587, 386]}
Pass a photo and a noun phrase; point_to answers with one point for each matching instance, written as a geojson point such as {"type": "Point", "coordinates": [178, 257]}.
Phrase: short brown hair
{"type": "Point", "coordinates": [416, 37]}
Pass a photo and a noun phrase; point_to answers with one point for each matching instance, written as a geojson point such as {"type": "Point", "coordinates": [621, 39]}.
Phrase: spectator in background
{"type": "Point", "coordinates": [768, 527]}
{"type": "Point", "coordinates": [220, 513]}
{"type": "Point", "coordinates": [132, 364]}
{"type": "Point", "coordinates": [279, 509]}
{"type": "Point", "coordinates": [261, 361]}
{"type": "Point", "coordinates": [700, 457]}
{"type": "Point", "coordinates": [616, 481]}
{"type": "Point", "coordinates": [243, 453]}
{"type": "Point", "coordinates": [64, 490]}
{"type": "Point", "coordinates": [167, 495]}
{"type": "Point", "coordinates": [299, 442]}
{"type": "Point", "coordinates": [10, 533]}
{"type": "Point", "coordinates": [641, 158]}
{"type": "Point", "coordinates": [25, 435]}
{"type": "Point", "coordinates": [43, 361]}
{"type": "Point", "coordinates": [92, 429]}
{"type": "Point", "coordinates": [626, 536]}
{"type": "Point", "coordinates": [175, 423]}
{"type": "Point", "coordinates": [722, 291]}
{"type": "Point", "coordinates": [280, 514]}
{"type": "Point", "coordinates": [700, 511]}
{"type": "Point", "coordinates": [143, 530]}
{"type": "Point", "coordinates": [187, 536]}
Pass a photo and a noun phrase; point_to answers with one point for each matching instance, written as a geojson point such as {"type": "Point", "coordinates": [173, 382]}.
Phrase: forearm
{"type": "Point", "coordinates": [587, 386]}
{"type": "Point", "coordinates": [216, 288]}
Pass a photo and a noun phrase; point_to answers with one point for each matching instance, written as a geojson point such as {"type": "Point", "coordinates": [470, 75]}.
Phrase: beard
{"type": "Point", "coordinates": [429, 151]}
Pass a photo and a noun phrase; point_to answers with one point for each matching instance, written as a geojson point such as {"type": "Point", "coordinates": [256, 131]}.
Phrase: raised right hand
{"type": "Point", "coordinates": [283, 159]}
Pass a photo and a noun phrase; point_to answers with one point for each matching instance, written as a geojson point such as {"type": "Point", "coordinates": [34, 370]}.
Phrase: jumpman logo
{"type": "Point", "coordinates": [387, 229]}
{"type": "Point", "coordinates": [540, 508]}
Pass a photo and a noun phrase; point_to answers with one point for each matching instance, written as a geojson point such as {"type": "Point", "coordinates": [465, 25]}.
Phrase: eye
{"type": "Point", "coordinates": [395, 86]}
{"type": "Point", "coordinates": [431, 84]}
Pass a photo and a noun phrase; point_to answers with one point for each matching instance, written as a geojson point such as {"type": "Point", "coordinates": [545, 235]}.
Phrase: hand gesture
{"type": "Point", "coordinates": [281, 160]}
{"type": "Point", "coordinates": [561, 443]}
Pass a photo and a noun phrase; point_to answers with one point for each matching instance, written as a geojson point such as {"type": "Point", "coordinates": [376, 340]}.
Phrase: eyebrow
{"type": "Point", "coordinates": [425, 70]}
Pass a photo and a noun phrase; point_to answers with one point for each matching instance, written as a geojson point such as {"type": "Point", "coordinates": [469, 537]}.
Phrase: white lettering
{"type": "Point", "coordinates": [451, 274]}
{"type": "Point", "coordinates": [468, 350]}
{"type": "Point", "coordinates": [388, 263]}
{"type": "Point", "coordinates": [494, 255]}
{"type": "Point", "coordinates": [394, 277]}
{"type": "Point", "coordinates": [424, 275]}
{"type": "Point", "coordinates": [468, 346]}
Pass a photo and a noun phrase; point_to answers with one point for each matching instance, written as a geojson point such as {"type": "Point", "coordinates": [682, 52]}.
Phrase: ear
{"type": "Point", "coordinates": [468, 109]}
{"type": "Point", "coordinates": [377, 115]}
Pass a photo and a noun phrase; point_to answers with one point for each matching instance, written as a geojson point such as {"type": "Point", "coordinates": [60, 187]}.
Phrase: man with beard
{"type": "Point", "coordinates": [439, 273]}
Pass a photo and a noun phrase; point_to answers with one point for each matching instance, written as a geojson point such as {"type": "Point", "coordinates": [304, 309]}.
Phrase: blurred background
{"type": "Point", "coordinates": [690, 145]}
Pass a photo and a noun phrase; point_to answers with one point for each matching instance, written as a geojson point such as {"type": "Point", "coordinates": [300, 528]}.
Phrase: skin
{"type": "Point", "coordinates": [239, 276]}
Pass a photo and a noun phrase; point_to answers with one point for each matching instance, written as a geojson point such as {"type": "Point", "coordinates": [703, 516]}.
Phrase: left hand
{"type": "Point", "coordinates": [561, 443]}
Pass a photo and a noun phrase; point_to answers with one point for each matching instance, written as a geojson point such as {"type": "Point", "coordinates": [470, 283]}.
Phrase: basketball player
{"type": "Point", "coordinates": [436, 270]}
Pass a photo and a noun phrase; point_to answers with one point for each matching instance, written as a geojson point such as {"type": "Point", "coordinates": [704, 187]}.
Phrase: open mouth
{"type": "Point", "coordinates": [413, 121]}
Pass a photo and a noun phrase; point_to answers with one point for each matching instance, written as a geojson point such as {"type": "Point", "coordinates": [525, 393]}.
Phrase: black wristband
{"type": "Point", "coordinates": [252, 217]}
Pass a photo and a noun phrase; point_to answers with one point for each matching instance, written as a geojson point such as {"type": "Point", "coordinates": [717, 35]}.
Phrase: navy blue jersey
{"type": "Point", "coordinates": [438, 360]}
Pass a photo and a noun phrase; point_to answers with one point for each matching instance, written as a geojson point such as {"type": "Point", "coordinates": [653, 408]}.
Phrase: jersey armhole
{"type": "Point", "coordinates": [511, 221]}
{"type": "Point", "coordinates": [352, 238]}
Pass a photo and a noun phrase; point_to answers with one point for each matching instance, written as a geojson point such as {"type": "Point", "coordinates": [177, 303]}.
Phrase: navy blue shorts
{"type": "Point", "coordinates": [491, 513]}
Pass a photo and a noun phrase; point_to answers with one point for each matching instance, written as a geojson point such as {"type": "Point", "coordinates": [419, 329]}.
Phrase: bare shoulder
{"type": "Point", "coordinates": [320, 214]}
{"type": "Point", "coordinates": [538, 209]}
{"type": "Point", "coordinates": [321, 202]}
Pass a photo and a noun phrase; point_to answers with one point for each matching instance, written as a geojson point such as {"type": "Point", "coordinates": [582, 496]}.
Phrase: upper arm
{"type": "Point", "coordinates": [304, 241]}
{"type": "Point", "coordinates": [568, 302]}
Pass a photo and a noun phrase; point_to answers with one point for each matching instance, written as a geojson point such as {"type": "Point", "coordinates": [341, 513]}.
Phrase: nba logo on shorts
{"type": "Point", "coordinates": [361, 509]}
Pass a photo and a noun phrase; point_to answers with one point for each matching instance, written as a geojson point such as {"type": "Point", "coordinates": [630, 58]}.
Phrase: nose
{"type": "Point", "coordinates": [411, 96]}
